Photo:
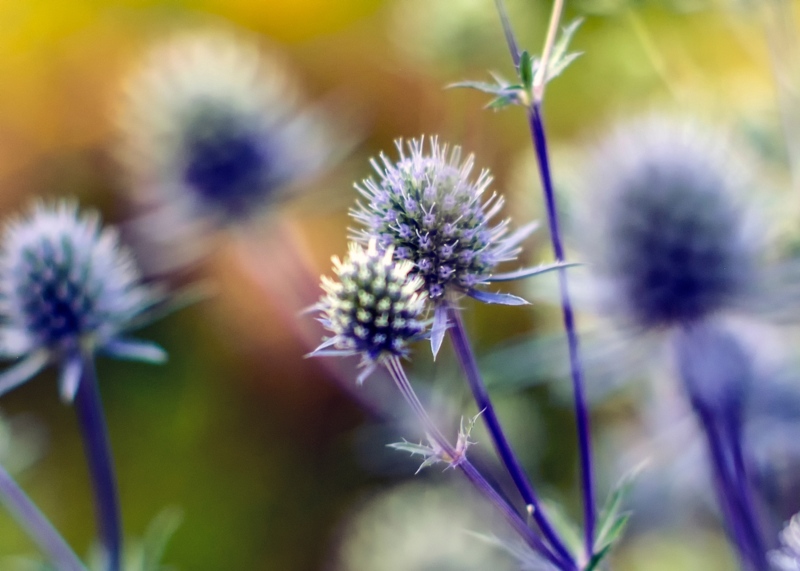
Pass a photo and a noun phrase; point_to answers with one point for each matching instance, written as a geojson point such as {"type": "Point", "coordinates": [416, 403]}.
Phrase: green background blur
{"type": "Point", "coordinates": [255, 445]}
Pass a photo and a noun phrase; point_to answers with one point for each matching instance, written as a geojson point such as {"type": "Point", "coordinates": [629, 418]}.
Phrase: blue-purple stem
{"type": "Point", "coordinates": [469, 365]}
{"type": "Point", "coordinates": [468, 469]}
{"type": "Point", "coordinates": [733, 490]}
{"type": "Point", "coordinates": [96, 444]}
{"type": "Point", "coordinates": [581, 408]}
{"type": "Point", "coordinates": [37, 525]}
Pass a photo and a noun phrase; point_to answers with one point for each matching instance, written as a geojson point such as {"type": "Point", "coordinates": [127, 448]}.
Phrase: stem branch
{"type": "Point", "coordinates": [466, 358]}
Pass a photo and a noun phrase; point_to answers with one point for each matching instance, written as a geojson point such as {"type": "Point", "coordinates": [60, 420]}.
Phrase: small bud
{"type": "Point", "coordinates": [374, 309]}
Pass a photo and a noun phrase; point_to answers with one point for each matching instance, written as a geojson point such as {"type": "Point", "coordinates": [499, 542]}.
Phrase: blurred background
{"type": "Point", "coordinates": [267, 454]}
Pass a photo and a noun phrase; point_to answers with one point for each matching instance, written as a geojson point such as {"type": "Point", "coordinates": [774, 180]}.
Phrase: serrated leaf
{"type": "Point", "coordinates": [559, 58]}
{"type": "Point", "coordinates": [431, 455]}
{"type": "Point", "coordinates": [562, 44]}
{"type": "Point", "coordinates": [609, 525]}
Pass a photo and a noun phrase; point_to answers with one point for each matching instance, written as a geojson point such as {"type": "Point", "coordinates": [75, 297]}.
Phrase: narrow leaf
{"type": "Point", "coordinates": [136, 350]}
{"type": "Point", "coordinates": [523, 273]}
{"type": "Point", "coordinates": [508, 31]}
{"type": "Point", "coordinates": [494, 89]}
{"type": "Point", "coordinates": [496, 298]}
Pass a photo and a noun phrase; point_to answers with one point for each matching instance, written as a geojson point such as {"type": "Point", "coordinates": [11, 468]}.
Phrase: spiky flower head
{"type": "Point", "coordinates": [671, 243]}
{"type": "Point", "coordinates": [212, 127]}
{"type": "Point", "coordinates": [66, 287]}
{"type": "Point", "coordinates": [373, 307]}
{"type": "Point", "coordinates": [787, 558]}
{"type": "Point", "coordinates": [429, 209]}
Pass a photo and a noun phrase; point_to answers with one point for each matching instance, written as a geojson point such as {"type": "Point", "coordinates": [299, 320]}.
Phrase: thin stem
{"type": "Point", "coordinates": [94, 431]}
{"type": "Point", "coordinates": [745, 492]}
{"type": "Point", "coordinates": [469, 365]}
{"type": "Point", "coordinates": [37, 525]}
{"type": "Point", "coordinates": [475, 478]}
{"type": "Point", "coordinates": [581, 409]}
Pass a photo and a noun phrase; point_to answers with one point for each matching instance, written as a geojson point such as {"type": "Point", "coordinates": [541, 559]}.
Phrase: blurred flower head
{"type": "Point", "coordinates": [433, 213]}
{"type": "Point", "coordinates": [66, 285]}
{"type": "Point", "coordinates": [665, 231]}
{"type": "Point", "coordinates": [787, 558]}
{"type": "Point", "coordinates": [213, 130]}
{"type": "Point", "coordinates": [374, 307]}
{"type": "Point", "coordinates": [420, 527]}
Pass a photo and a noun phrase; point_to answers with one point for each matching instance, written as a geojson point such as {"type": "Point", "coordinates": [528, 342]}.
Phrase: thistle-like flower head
{"type": "Point", "coordinates": [66, 286]}
{"type": "Point", "coordinates": [373, 307]}
{"type": "Point", "coordinates": [428, 208]}
{"type": "Point", "coordinates": [787, 558]}
{"type": "Point", "coordinates": [212, 126]}
{"type": "Point", "coordinates": [672, 246]}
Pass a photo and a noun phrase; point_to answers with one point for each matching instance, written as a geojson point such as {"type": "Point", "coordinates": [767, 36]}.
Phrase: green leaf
{"type": "Point", "coordinates": [597, 558]}
{"type": "Point", "coordinates": [526, 70]}
{"type": "Point", "coordinates": [612, 520]}
{"type": "Point", "coordinates": [565, 528]}
{"type": "Point", "coordinates": [483, 86]}
{"type": "Point", "coordinates": [559, 58]}
{"type": "Point", "coordinates": [158, 535]}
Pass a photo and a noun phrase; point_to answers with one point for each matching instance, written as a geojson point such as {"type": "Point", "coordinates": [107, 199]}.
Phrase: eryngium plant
{"type": "Point", "coordinates": [67, 290]}
{"type": "Point", "coordinates": [66, 287]}
{"type": "Point", "coordinates": [373, 308]}
{"type": "Point", "coordinates": [672, 246]}
{"type": "Point", "coordinates": [212, 126]}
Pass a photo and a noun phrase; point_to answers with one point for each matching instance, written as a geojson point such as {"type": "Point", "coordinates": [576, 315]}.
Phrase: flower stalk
{"type": "Point", "coordinates": [466, 358]}
{"type": "Point", "coordinates": [94, 432]}
{"type": "Point", "coordinates": [37, 525]}
{"type": "Point", "coordinates": [397, 373]}
{"type": "Point", "coordinates": [581, 407]}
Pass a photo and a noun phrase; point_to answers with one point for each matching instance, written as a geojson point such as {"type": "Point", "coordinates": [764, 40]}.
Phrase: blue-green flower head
{"type": "Point", "coordinates": [373, 307]}
{"type": "Point", "coordinates": [212, 125]}
{"type": "Point", "coordinates": [667, 225]}
{"type": "Point", "coordinates": [66, 287]}
{"type": "Point", "coordinates": [428, 207]}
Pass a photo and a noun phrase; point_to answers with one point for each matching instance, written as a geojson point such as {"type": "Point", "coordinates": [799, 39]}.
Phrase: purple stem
{"type": "Point", "coordinates": [475, 478]}
{"type": "Point", "coordinates": [37, 525]}
{"type": "Point", "coordinates": [94, 431]}
{"type": "Point", "coordinates": [469, 365]}
{"type": "Point", "coordinates": [727, 493]}
{"type": "Point", "coordinates": [745, 493]}
{"type": "Point", "coordinates": [581, 409]}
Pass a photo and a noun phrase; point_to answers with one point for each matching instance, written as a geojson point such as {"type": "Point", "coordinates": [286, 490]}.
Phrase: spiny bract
{"type": "Point", "coordinates": [373, 308]}
{"type": "Point", "coordinates": [428, 209]}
